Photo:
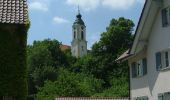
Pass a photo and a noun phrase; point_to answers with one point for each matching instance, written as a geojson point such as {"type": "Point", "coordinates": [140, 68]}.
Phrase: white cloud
{"type": "Point", "coordinates": [40, 5]}
{"type": "Point", "coordinates": [36, 5]}
{"type": "Point", "coordinates": [120, 4]}
{"type": "Point", "coordinates": [86, 5]}
{"type": "Point", "coordinates": [60, 20]}
{"type": "Point", "coordinates": [141, 1]}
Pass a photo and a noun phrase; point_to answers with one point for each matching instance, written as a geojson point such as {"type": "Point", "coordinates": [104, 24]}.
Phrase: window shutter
{"type": "Point", "coordinates": [134, 98]}
{"type": "Point", "coordinates": [164, 18]}
{"type": "Point", "coordinates": [145, 98]}
{"type": "Point", "coordinates": [134, 70]}
{"type": "Point", "coordinates": [167, 59]}
{"type": "Point", "coordinates": [160, 96]}
{"type": "Point", "coordinates": [158, 61]}
{"type": "Point", "coordinates": [144, 63]}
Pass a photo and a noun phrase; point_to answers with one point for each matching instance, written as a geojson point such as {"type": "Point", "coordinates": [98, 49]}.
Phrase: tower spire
{"type": "Point", "coordinates": [78, 15]}
{"type": "Point", "coordinates": [78, 9]}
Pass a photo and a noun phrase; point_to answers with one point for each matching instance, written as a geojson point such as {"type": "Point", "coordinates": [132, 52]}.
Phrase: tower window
{"type": "Point", "coordinates": [74, 34]}
{"type": "Point", "coordinates": [82, 48]}
{"type": "Point", "coordinates": [82, 28]}
{"type": "Point", "coordinates": [82, 35]}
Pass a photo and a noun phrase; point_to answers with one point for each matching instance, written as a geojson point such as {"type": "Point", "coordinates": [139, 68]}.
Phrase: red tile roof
{"type": "Point", "coordinates": [64, 47]}
{"type": "Point", "coordinates": [13, 11]}
{"type": "Point", "coordinates": [89, 98]}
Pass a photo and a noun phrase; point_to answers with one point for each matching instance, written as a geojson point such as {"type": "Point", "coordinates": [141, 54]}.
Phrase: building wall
{"type": "Point", "coordinates": [154, 82]}
{"type": "Point", "coordinates": [159, 81]}
{"type": "Point", "coordinates": [139, 86]}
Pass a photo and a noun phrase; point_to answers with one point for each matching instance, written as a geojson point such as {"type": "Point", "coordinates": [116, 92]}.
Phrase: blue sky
{"type": "Point", "coordinates": [54, 18]}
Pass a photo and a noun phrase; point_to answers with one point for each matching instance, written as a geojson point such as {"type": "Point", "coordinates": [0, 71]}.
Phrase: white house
{"type": "Point", "coordinates": [149, 56]}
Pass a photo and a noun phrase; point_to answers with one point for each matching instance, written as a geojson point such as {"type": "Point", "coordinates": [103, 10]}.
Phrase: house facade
{"type": "Point", "coordinates": [149, 56]}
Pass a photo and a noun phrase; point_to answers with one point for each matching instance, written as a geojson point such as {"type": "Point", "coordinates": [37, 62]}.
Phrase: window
{"type": "Point", "coordinates": [74, 34]}
{"type": "Point", "coordinates": [164, 96]}
{"type": "Point", "coordinates": [160, 97]}
{"type": "Point", "coordinates": [82, 35]}
{"type": "Point", "coordinates": [139, 68]}
{"type": "Point", "coordinates": [82, 28]}
{"type": "Point", "coordinates": [141, 98]}
{"type": "Point", "coordinates": [166, 17]}
{"type": "Point", "coordinates": [162, 60]}
{"type": "Point", "coordinates": [166, 59]}
{"type": "Point", "coordinates": [82, 48]}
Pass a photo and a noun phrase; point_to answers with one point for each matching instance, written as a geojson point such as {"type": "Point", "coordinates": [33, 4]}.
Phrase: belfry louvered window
{"type": "Point", "coordinates": [82, 35]}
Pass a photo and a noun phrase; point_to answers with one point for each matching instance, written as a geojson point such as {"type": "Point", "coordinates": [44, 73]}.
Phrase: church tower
{"type": "Point", "coordinates": [79, 43]}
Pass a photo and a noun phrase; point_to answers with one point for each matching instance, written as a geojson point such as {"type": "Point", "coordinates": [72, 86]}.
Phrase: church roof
{"type": "Point", "coordinates": [13, 11]}
{"type": "Point", "coordinates": [79, 20]}
{"type": "Point", "coordinates": [64, 47]}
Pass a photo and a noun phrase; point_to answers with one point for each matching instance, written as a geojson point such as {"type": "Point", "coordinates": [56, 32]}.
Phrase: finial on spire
{"type": "Point", "coordinates": [78, 9]}
{"type": "Point", "coordinates": [78, 15]}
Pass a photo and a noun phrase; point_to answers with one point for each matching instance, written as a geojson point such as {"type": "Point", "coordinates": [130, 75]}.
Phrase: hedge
{"type": "Point", "coordinates": [13, 70]}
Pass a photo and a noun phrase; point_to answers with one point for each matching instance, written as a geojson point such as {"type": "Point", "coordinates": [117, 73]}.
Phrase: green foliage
{"type": "Point", "coordinates": [119, 88]}
{"type": "Point", "coordinates": [101, 61]}
{"type": "Point", "coordinates": [69, 58]}
{"type": "Point", "coordinates": [56, 73]}
{"type": "Point", "coordinates": [44, 57]}
{"type": "Point", "coordinates": [39, 75]}
{"type": "Point", "coordinates": [13, 70]}
{"type": "Point", "coordinates": [113, 42]}
{"type": "Point", "coordinates": [45, 53]}
{"type": "Point", "coordinates": [116, 39]}
{"type": "Point", "coordinates": [69, 84]}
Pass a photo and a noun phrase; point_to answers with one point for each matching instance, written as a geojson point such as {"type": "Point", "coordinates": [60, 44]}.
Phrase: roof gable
{"type": "Point", "coordinates": [145, 24]}
{"type": "Point", "coordinates": [13, 11]}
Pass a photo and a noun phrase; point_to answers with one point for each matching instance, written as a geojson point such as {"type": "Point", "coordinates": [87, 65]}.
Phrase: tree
{"type": "Point", "coordinates": [69, 84]}
{"type": "Point", "coordinates": [117, 38]}
{"type": "Point", "coordinates": [101, 61]}
{"type": "Point", "coordinates": [45, 53]}
{"type": "Point", "coordinates": [118, 88]}
{"type": "Point", "coordinates": [96, 74]}
{"type": "Point", "coordinates": [44, 58]}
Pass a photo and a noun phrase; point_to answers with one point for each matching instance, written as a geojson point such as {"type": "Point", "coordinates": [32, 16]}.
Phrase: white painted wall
{"type": "Point", "coordinates": [154, 82]}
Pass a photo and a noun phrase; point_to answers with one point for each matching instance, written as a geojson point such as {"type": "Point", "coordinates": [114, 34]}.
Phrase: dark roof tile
{"type": "Point", "coordinates": [13, 11]}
